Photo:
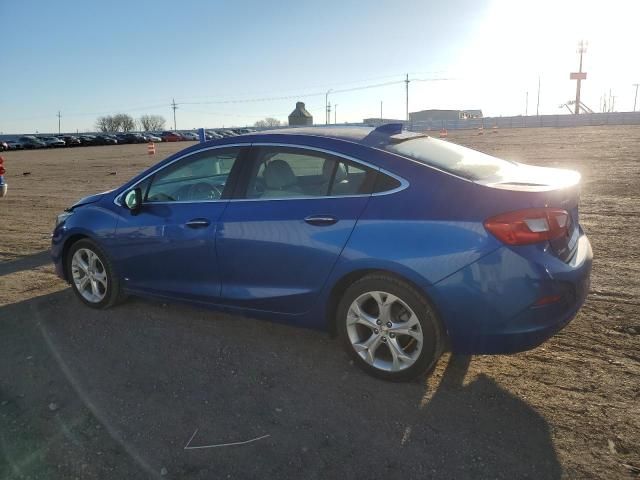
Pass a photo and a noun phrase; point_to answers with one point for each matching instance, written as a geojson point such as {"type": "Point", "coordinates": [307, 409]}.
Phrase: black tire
{"type": "Point", "coordinates": [432, 330]}
{"type": "Point", "coordinates": [113, 294]}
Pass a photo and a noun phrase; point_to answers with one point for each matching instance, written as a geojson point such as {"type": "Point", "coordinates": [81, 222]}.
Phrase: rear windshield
{"type": "Point", "coordinates": [461, 161]}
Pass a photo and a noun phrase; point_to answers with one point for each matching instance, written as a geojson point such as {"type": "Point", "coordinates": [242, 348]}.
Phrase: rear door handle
{"type": "Point", "coordinates": [198, 223]}
{"type": "Point", "coordinates": [320, 220]}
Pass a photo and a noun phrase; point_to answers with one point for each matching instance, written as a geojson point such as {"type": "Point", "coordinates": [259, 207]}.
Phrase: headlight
{"type": "Point", "coordinates": [62, 217]}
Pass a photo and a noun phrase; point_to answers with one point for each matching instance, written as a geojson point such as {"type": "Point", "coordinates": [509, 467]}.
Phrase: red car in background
{"type": "Point", "coordinates": [3, 184]}
{"type": "Point", "coordinates": [171, 137]}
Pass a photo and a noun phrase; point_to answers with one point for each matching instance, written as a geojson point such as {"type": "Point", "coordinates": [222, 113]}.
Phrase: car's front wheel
{"type": "Point", "coordinates": [92, 276]}
{"type": "Point", "coordinates": [389, 328]}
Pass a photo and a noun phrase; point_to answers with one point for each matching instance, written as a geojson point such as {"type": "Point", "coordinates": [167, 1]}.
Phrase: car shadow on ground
{"type": "Point", "coordinates": [26, 262]}
{"type": "Point", "coordinates": [118, 394]}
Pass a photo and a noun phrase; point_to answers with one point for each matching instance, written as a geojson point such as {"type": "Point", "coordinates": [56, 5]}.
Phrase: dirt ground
{"type": "Point", "coordinates": [119, 393]}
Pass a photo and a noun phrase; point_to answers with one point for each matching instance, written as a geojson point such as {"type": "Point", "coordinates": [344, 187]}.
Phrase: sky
{"type": "Point", "coordinates": [231, 63]}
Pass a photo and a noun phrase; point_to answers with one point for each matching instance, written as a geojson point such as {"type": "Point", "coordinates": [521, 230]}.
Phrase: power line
{"type": "Point", "coordinates": [289, 97]}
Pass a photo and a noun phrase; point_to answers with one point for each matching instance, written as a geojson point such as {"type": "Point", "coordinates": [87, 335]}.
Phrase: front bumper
{"type": "Point", "coordinates": [488, 307]}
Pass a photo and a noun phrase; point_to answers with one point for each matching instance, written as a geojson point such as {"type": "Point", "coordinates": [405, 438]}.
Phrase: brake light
{"type": "Point", "coordinates": [549, 299]}
{"type": "Point", "coordinates": [528, 226]}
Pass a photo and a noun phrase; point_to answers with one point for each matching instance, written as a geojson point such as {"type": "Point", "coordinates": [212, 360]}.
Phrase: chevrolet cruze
{"type": "Point", "coordinates": [400, 244]}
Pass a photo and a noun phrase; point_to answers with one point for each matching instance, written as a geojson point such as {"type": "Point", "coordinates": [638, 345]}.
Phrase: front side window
{"type": "Point", "coordinates": [199, 177]}
{"type": "Point", "coordinates": [297, 173]}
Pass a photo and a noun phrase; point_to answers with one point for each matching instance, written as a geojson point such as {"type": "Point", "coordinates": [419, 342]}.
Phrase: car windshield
{"type": "Point", "coordinates": [458, 160]}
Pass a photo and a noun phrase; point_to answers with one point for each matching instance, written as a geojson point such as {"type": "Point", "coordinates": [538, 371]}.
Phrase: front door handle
{"type": "Point", "coordinates": [198, 223]}
{"type": "Point", "coordinates": [321, 220]}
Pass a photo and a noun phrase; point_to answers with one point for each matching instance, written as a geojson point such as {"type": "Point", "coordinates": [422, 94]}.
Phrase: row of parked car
{"type": "Point", "coordinates": [31, 142]}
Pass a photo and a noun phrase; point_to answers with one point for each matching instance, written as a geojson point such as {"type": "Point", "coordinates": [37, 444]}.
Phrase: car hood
{"type": "Point", "coordinates": [89, 199]}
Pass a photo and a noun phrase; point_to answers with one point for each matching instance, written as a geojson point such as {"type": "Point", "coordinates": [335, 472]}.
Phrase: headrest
{"type": "Point", "coordinates": [278, 174]}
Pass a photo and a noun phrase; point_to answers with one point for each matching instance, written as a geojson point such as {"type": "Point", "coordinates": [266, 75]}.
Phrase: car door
{"type": "Point", "coordinates": [290, 217]}
{"type": "Point", "coordinates": [168, 247]}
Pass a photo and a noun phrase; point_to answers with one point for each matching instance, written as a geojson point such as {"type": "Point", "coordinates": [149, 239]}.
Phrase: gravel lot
{"type": "Point", "coordinates": [118, 394]}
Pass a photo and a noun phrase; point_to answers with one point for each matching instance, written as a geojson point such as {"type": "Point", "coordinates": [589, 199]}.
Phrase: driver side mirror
{"type": "Point", "coordinates": [133, 200]}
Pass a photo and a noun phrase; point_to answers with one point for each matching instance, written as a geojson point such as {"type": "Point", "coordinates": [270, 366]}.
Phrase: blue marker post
{"type": "Point", "coordinates": [201, 135]}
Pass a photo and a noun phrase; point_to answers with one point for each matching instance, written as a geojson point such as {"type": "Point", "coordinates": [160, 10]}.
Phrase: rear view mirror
{"type": "Point", "coordinates": [133, 200]}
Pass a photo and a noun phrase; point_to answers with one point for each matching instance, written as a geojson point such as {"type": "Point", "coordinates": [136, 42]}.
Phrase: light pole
{"type": "Point", "coordinates": [406, 86]}
{"type": "Point", "coordinates": [635, 99]}
{"type": "Point", "coordinates": [538, 102]}
{"type": "Point", "coordinates": [174, 106]}
{"type": "Point", "coordinates": [380, 110]}
{"type": "Point", "coordinates": [335, 113]}
{"type": "Point", "coordinates": [326, 106]}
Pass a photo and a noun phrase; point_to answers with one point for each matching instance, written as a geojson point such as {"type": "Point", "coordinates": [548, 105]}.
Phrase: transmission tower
{"type": "Point", "coordinates": [579, 75]}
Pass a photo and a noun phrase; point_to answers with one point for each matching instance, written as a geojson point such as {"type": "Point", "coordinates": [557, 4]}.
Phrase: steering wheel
{"type": "Point", "coordinates": [204, 191]}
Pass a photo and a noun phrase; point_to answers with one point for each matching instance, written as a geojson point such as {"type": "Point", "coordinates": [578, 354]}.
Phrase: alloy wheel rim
{"type": "Point", "coordinates": [384, 331]}
{"type": "Point", "coordinates": [89, 275]}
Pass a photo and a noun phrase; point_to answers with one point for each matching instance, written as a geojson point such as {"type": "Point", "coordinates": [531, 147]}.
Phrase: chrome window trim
{"type": "Point", "coordinates": [403, 183]}
{"type": "Point", "coordinates": [153, 172]}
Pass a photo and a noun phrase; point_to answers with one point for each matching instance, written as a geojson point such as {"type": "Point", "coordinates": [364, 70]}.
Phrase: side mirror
{"type": "Point", "coordinates": [133, 200]}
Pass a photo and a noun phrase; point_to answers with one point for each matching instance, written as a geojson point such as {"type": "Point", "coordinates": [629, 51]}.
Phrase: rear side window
{"type": "Point", "coordinates": [285, 172]}
{"type": "Point", "coordinates": [461, 161]}
{"type": "Point", "coordinates": [385, 183]}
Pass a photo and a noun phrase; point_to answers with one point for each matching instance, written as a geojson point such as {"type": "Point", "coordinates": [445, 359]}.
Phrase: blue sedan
{"type": "Point", "coordinates": [402, 245]}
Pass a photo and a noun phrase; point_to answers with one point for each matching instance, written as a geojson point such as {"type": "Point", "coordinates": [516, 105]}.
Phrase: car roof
{"type": "Point", "coordinates": [382, 135]}
{"type": "Point", "coordinates": [342, 133]}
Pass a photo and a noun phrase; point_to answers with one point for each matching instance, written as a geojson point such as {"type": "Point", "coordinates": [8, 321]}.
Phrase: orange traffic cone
{"type": "Point", "coordinates": [443, 133]}
{"type": "Point", "coordinates": [480, 131]}
{"type": "Point", "coordinates": [151, 148]}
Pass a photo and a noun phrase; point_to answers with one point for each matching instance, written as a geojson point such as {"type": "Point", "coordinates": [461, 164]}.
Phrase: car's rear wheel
{"type": "Point", "coordinates": [92, 276]}
{"type": "Point", "coordinates": [389, 328]}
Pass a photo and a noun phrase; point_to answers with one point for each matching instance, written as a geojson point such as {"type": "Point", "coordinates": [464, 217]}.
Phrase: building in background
{"type": "Point", "coordinates": [443, 115]}
{"type": "Point", "coordinates": [300, 116]}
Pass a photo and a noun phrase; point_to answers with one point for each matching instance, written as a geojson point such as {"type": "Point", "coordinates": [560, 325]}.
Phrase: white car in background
{"type": "Point", "coordinates": [53, 142]}
{"type": "Point", "coordinates": [152, 137]}
{"type": "Point", "coordinates": [190, 136]}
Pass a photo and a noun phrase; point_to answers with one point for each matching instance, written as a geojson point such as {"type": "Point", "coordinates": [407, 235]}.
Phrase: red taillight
{"type": "Point", "coordinates": [549, 299]}
{"type": "Point", "coordinates": [528, 226]}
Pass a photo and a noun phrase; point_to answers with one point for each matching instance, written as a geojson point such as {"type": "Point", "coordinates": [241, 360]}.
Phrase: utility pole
{"type": "Point", "coordinates": [635, 99]}
{"type": "Point", "coordinates": [579, 75]}
{"type": "Point", "coordinates": [59, 117]}
{"type": "Point", "coordinates": [335, 113]}
{"type": "Point", "coordinates": [328, 113]}
{"type": "Point", "coordinates": [174, 106]}
{"type": "Point", "coordinates": [326, 107]}
{"type": "Point", "coordinates": [538, 102]}
{"type": "Point", "coordinates": [380, 110]}
{"type": "Point", "coordinates": [406, 83]}
{"type": "Point", "coordinates": [526, 104]}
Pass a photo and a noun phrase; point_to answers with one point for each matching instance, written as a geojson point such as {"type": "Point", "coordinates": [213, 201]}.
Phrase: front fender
{"type": "Point", "coordinates": [90, 221]}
